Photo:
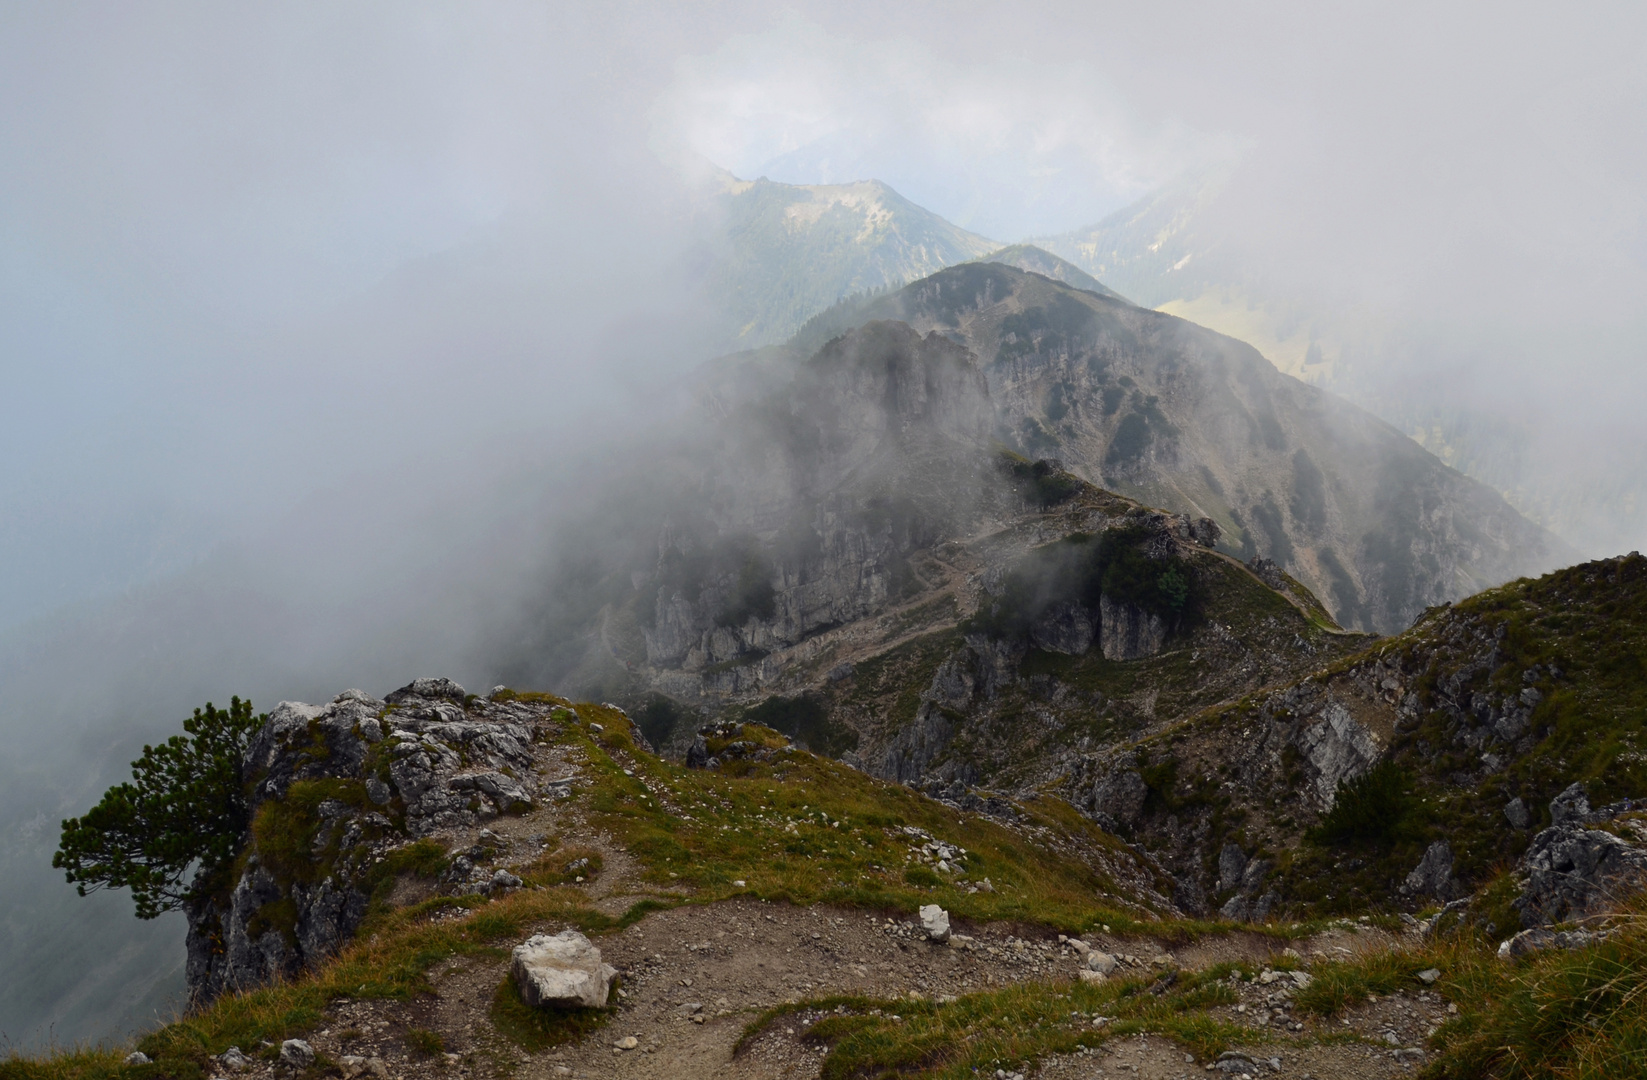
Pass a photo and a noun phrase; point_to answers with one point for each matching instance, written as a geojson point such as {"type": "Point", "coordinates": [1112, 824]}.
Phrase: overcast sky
{"type": "Point", "coordinates": [249, 253]}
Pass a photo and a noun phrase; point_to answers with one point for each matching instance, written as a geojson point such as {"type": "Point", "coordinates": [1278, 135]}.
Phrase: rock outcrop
{"type": "Point", "coordinates": [1433, 876]}
{"type": "Point", "coordinates": [876, 448]}
{"type": "Point", "coordinates": [1589, 863]}
{"type": "Point", "coordinates": [335, 790]}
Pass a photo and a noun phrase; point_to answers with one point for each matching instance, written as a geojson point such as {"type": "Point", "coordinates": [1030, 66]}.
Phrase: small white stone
{"type": "Point", "coordinates": [628, 1042]}
{"type": "Point", "coordinates": [935, 921]}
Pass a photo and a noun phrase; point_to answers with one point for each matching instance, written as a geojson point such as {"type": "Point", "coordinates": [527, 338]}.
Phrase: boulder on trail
{"type": "Point", "coordinates": [562, 971]}
{"type": "Point", "coordinates": [935, 921]}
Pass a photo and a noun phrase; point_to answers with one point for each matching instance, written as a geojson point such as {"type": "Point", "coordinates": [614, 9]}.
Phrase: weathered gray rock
{"type": "Point", "coordinates": [234, 1058]}
{"type": "Point", "coordinates": [425, 755]}
{"type": "Point", "coordinates": [561, 971]}
{"type": "Point", "coordinates": [426, 690]}
{"type": "Point", "coordinates": [1571, 806]}
{"type": "Point", "coordinates": [1433, 876]}
{"type": "Point", "coordinates": [935, 922]}
{"type": "Point", "coordinates": [1537, 939]}
{"type": "Point", "coordinates": [137, 1057]}
{"type": "Point", "coordinates": [917, 745]}
{"type": "Point", "coordinates": [1338, 747]}
{"type": "Point", "coordinates": [1517, 814]}
{"type": "Point", "coordinates": [1572, 872]}
{"type": "Point", "coordinates": [1068, 628]}
{"type": "Point", "coordinates": [1120, 796]}
{"type": "Point", "coordinates": [297, 1054]}
{"type": "Point", "coordinates": [1101, 962]}
{"type": "Point", "coordinates": [1232, 863]}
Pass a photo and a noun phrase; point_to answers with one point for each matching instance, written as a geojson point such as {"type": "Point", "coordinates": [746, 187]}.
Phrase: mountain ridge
{"type": "Point", "coordinates": [1197, 422]}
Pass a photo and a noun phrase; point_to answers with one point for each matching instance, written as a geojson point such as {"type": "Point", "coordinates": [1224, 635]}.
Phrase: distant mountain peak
{"type": "Point", "coordinates": [788, 251]}
{"type": "Point", "coordinates": [1037, 260]}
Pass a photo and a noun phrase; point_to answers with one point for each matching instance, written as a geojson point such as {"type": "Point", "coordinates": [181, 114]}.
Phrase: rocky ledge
{"type": "Point", "coordinates": [340, 796]}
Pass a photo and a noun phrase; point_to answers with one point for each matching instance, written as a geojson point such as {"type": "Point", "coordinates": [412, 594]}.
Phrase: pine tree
{"type": "Point", "coordinates": [185, 807]}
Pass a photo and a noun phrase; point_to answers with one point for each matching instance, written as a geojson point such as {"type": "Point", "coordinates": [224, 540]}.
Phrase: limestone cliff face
{"type": "Point", "coordinates": [335, 790]}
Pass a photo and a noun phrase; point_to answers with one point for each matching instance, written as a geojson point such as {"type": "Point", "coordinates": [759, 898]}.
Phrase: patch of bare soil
{"type": "Point", "coordinates": [694, 976]}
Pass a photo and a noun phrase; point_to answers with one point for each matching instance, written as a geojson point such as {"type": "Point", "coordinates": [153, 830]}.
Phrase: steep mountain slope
{"type": "Point", "coordinates": [1428, 762]}
{"type": "Point", "coordinates": [1177, 416]}
{"type": "Point", "coordinates": [783, 252]}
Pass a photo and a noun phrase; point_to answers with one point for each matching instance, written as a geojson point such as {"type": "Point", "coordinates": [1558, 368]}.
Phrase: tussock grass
{"type": "Point", "coordinates": [424, 1043]}
{"type": "Point", "coordinates": [1560, 1015]}
{"type": "Point", "coordinates": [1573, 1015]}
{"type": "Point", "coordinates": [984, 1031]}
{"type": "Point", "coordinates": [1336, 985]}
{"type": "Point", "coordinates": [76, 1064]}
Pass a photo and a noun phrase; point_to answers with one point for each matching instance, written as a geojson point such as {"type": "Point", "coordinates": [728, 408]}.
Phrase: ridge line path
{"type": "Point", "coordinates": [695, 975]}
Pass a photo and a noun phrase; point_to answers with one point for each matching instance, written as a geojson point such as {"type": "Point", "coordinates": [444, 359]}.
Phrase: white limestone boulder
{"type": "Point", "coordinates": [562, 971]}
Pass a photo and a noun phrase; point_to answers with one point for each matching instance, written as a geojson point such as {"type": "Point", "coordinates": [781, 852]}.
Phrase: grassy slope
{"type": "Point", "coordinates": [1563, 1015]}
